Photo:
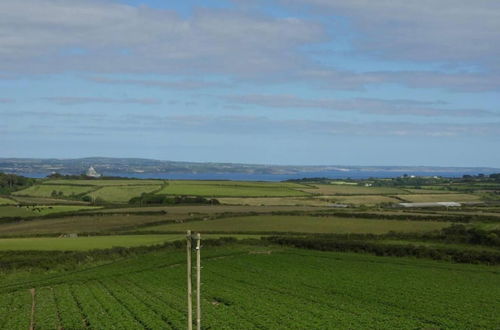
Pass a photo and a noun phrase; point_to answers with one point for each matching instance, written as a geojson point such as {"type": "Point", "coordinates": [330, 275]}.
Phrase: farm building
{"type": "Point", "coordinates": [436, 204]}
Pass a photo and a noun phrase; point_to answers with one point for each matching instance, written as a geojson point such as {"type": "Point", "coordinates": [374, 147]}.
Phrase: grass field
{"type": "Point", "coordinates": [46, 201]}
{"type": "Point", "coordinates": [47, 190]}
{"type": "Point", "coordinates": [335, 189]}
{"type": "Point", "coordinates": [302, 224]}
{"type": "Point", "coordinates": [92, 182]}
{"type": "Point", "coordinates": [269, 201]}
{"type": "Point", "coordinates": [231, 189]}
{"type": "Point", "coordinates": [84, 243]}
{"type": "Point", "coordinates": [244, 288]}
{"type": "Point", "coordinates": [428, 198]}
{"type": "Point", "coordinates": [122, 194]}
{"type": "Point", "coordinates": [360, 199]}
{"type": "Point", "coordinates": [81, 224]}
{"type": "Point", "coordinates": [35, 211]}
{"type": "Point", "coordinates": [7, 201]}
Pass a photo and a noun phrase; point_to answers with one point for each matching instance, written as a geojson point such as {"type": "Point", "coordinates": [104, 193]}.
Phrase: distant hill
{"type": "Point", "coordinates": [136, 166]}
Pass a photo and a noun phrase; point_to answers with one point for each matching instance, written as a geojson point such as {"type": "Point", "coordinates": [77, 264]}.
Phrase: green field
{"type": "Point", "coordinates": [270, 201]}
{"type": "Point", "coordinates": [40, 210]}
{"type": "Point", "coordinates": [92, 182]}
{"type": "Point", "coordinates": [429, 198]}
{"type": "Point", "coordinates": [336, 189]}
{"type": "Point", "coordinates": [231, 189]}
{"type": "Point", "coordinates": [7, 201]}
{"type": "Point", "coordinates": [256, 288]}
{"type": "Point", "coordinates": [46, 201]}
{"type": "Point", "coordinates": [47, 190]}
{"type": "Point", "coordinates": [122, 194]}
{"type": "Point", "coordinates": [302, 224]}
{"type": "Point", "coordinates": [359, 199]}
{"type": "Point", "coordinates": [84, 243]}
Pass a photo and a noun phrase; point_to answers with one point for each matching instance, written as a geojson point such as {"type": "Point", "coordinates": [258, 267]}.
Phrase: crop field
{"type": "Point", "coordinates": [84, 243]}
{"type": "Point", "coordinates": [93, 182]}
{"type": "Point", "coordinates": [302, 224]}
{"type": "Point", "coordinates": [232, 189]}
{"type": "Point", "coordinates": [335, 189]}
{"type": "Point", "coordinates": [7, 201]}
{"type": "Point", "coordinates": [46, 201]}
{"type": "Point", "coordinates": [46, 190]}
{"type": "Point", "coordinates": [428, 198]}
{"type": "Point", "coordinates": [82, 224]}
{"type": "Point", "coordinates": [209, 209]}
{"type": "Point", "coordinates": [360, 199]}
{"type": "Point", "coordinates": [122, 194]}
{"type": "Point", "coordinates": [270, 201]}
{"type": "Point", "coordinates": [40, 210]}
{"type": "Point", "coordinates": [289, 289]}
{"type": "Point", "coordinates": [428, 191]}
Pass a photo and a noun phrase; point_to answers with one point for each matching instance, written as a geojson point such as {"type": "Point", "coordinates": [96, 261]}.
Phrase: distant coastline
{"type": "Point", "coordinates": [159, 169]}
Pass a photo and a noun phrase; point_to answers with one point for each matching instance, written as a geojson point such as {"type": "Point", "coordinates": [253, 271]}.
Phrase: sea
{"type": "Point", "coordinates": [350, 174]}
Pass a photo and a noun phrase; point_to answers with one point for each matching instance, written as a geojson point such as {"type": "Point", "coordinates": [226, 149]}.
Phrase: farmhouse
{"type": "Point", "coordinates": [436, 204]}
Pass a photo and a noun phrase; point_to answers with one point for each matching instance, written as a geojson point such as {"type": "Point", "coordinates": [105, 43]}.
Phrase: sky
{"type": "Point", "coordinates": [298, 82]}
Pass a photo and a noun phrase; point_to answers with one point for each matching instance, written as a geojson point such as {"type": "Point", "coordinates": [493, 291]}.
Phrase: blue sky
{"type": "Point", "coordinates": [344, 82]}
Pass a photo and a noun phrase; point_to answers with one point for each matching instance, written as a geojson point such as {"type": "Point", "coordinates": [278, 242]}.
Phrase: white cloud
{"type": "Point", "coordinates": [461, 31]}
{"type": "Point", "coordinates": [63, 100]}
{"type": "Point", "coordinates": [361, 105]}
{"type": "Point", "coordinates": [100, 36]}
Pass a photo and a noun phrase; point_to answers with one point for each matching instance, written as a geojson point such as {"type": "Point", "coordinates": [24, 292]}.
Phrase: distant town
{"type": "Point", "coordinates": [138, 166]}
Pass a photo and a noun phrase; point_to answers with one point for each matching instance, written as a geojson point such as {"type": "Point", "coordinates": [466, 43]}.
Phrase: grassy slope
{"type": "Point", "coordinates": [424, 198]}
{"type": "Point", "coordinates": [104, 182]}
{"type": "Point", "coordinates": [282, 288]}
{"type": "Point", "coordinates": [36, 211]}
{"type": "Point", "coordinates": [231, 189]}
{"type": "Point", "coordinates": [46, 190]}
{"type": "Point", "coordinates": [7, 201]}
{"type": "Point", "coordinates": [122, 194]}
{"type": "Point", "coordinates": [302, 224]}
{"type": "Point", "coordinates": [84, 243]}
{"type": "Point", "coordinates": [333, 189]}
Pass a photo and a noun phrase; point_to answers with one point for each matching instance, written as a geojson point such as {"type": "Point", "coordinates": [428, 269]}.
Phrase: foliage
{"type": "Point", "coordinates": [380, 249]}
{"type": "Point", "coordinates": [157, 199]}
{"type": "Point", "coordinates": [246, 287]}
{"type": "Point", "coordinates": [11, 182]}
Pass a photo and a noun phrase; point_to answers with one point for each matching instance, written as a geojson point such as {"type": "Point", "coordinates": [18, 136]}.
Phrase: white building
{"type": "Point", "coordinates": [91, 172]}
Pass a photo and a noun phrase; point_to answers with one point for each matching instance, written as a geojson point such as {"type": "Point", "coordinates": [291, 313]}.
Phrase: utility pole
{"type": "Point", "coordinates": [198, 281]}
{"type": "Point", "coordinates": [189, 289]}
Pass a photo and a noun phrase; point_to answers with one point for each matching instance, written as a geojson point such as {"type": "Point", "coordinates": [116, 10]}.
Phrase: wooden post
{"type": "Point", "coordinates": [198, 281]}
{"type": "Point", "coordinates": [189, 289]}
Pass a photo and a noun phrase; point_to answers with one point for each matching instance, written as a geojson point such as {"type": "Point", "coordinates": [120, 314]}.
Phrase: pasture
{"type": "Point", "coordinates": [256, 288]}
{"type": "Point", "coordinates": [301, 224]}
{"type": "Point", "coordinates": [232, 189]}
{"type": "Point", "coordinates": [7, 201]}
{"type": "Point", "coordinates": [359, 199]}
{"type": "Point", "coordinates": [85, 243]}
{"type": "Point", "coordinates": [335, 189]}
{"type": "Point", "coordinates": [121, 194]}
{"type": "Point", "coordinates": [100, 182]}
{"type": "Point", "coordinates": [40, 210]}
{"type": "Point", "coordinates": [51, 190]}
{"type": "Point", "coordinates": [429, 198]}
